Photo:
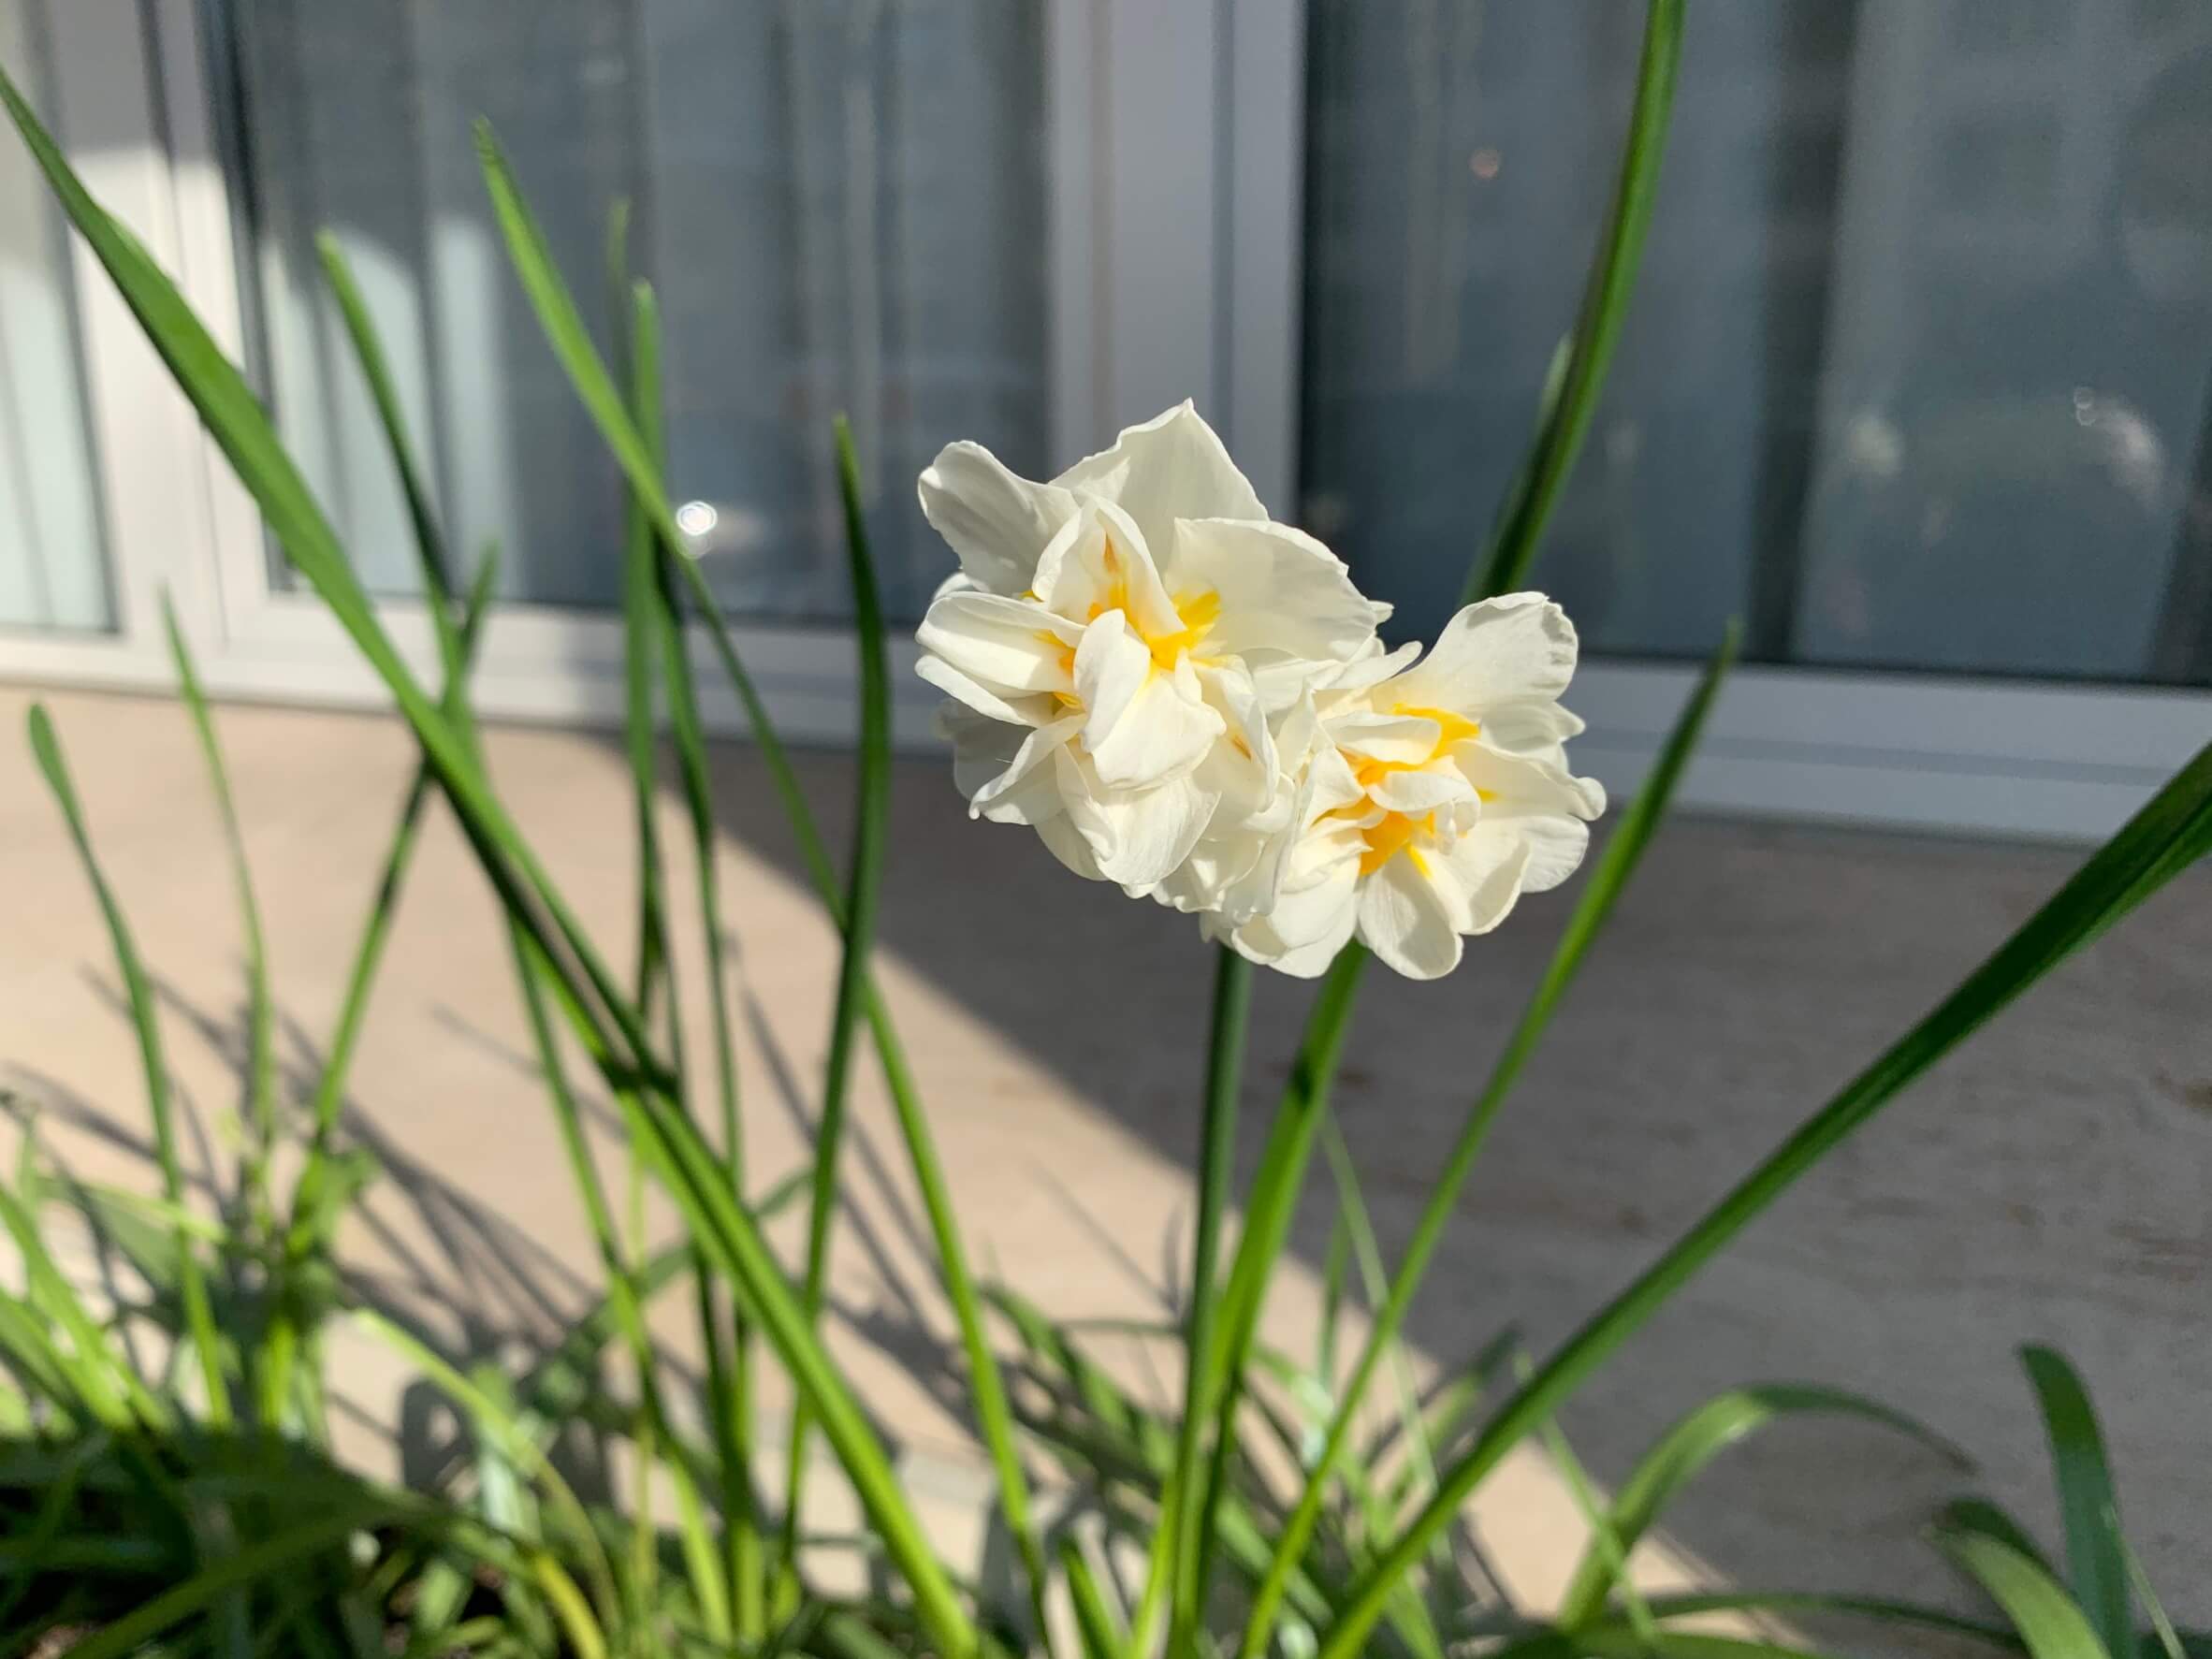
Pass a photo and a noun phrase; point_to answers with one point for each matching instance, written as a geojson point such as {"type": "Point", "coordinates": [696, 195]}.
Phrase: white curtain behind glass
{"type": "Point", "coordinates": [840, 203]}
{"type": "Point", "coordinates": [52, 567]}
{"type": "Point", "coordinates": [1916, 373]}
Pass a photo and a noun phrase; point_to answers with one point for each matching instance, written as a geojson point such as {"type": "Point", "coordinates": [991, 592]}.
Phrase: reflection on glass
{"type": "Point", "coordinates": [54, 568]}
{"type": "Point", "coordinates": [1917, 375]}
{"type": "Point", "coordinates": [840, 204]}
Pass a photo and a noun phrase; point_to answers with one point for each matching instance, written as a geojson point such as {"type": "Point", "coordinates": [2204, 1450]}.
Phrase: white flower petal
{"type": "Point", "coordinates": [1419, 791]}
{"type": "Point", "coordinates": [1519, 780]}
{"type": "Point", "coordinates": [1140, 835]}
{"type": "Point", "coordinates": [996, 521]}
{"type": "Point", "coordinates": [1022, 711]}
{"type": "Point", "coordinates": [1534, 729]}
{"type": "Point", "coordinates": [1026, 790]}
{"type": "Point", "coordinates": [1282, 594]}
{"type": "Point", "coordinates": [1368, 669]}
{"type": "Point", "coordinates": [1517, 648]}
{"type": "Point", "coordinates": [1012, 646]}
{"type": "Point", "coordinates": [1066, 843]}
{"type": "Point", "coordinates": [1101, 562]}
{"type": "Point", "coordinates": [1140, 725]}
{"type": "Point", "coordinates": [1405, 921]}
{"type": "Point", "coordinates": [1400, 739]}
{"type": "Point", "coordinates": [1556, 842]}
{"type": "Point", "coordinates": [1479, 878]}
{"type": "Point", "coordinates": [1171, 467]}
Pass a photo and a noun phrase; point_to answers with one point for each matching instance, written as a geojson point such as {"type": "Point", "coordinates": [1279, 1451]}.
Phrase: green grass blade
{"type": "Point", "coordinates": [192, 1284]}
{"type": "Point", "coordinates": [1601, 890]}
{"type": "Point", "coordinates": [1366, 1251]}
{"type": "Point", "coordinates": [1684, 1450]}
{"type": "Point", "coordinates": [261, 1084]}
{"type": "Point", "coordinates": [732, 1608]}
{"type": "Point", "coordinates": [2171, 831]}
{"type": "Point", "coordinates": [1568, 407]}
{"type": "Point", "coordinates": [530, 969]}
{"type": "Point", "coordinates": [2095, 1564]}
{"type": "Point", "coordinates": [235, 419]}
{"type": "Point", "coordinates": [2048, 1619]}
{"type": "Point", "coordinates": [492, 1419]}
{"type": "Point", "coordinates": [432, 556]}
{"type": "Point", "coordinates": [2169, 1639]}
{"type": "Point", "coordinates": [733, 1410]}
{"type": "Point", "coordinates": [694, 1178]}
{"type": "Point", "coordinates": [1224, 1055]}
{"type": "Point", "coordinates": [864, 886]}
{"type": "Point", "coordinates": [1979, 1515]}
{"type": "Point", "coordinates": [109, 1387]}
{"type": "Point", "coordinates": [352, 1011]}
{"type": "Point", "coordinates": [1094, 1625]}
{"type": "Point", "coordinates": [1878, 1610]}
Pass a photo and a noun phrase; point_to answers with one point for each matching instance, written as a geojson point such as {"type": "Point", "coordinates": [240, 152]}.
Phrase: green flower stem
{"type": "Point", "coordinates": [1232, 1005]}
{"type": "Point", "coordinates": [1267, 1227]}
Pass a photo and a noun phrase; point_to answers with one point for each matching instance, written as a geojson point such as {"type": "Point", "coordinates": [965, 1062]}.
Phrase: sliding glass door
{"type": "Point", "coordinates": [1920, 366]}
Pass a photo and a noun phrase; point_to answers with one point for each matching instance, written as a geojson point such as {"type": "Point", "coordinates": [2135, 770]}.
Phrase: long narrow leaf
{"type": "Point", "coordinates": [261, 1101]}
{"type": "Point", "coordinates": [2048, 1619]}
{"type": "Point", "coordinates": [693, 1177]}
{"type": "Point", "coordinates": [2171, 831]}
{"type": "Point", "coordinates": [192, 1285]}
{"type": "Point", "coordinates": [1701, 1436]}
{"type": "Point", "coordinates": [871, 831]}
{"type": "Point", "coordinates": [2095, 1564]}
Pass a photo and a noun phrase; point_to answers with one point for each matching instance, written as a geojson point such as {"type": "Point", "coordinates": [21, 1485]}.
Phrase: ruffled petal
{"type": "Point", "coordinates": [1517, 648]}
{"type": "Point", "coordinates": [1101, 562]}
{"type": "Point", "coordinates": [1557, 842]}
{"type": "Point", "coordinates": [996, 521]}
{"type": "Point", "coordinates": [1281, 595]}
{"type": "Point", "coordinates": [1479, 878]}
{"type": "Point", "coordinates": [1418, 790]}
{"type": "Point", "coordinates": [1405, 921]}
{"type": "Point", "coordinates": [1139, 836]}
{"type": "Point", "coordinates": [1171, 467]}
{"type": "Point", "coordinates": [1530, 784]}
{"type": "Point", "coordinates": [1140, 725]}
{"type": "Point", "coordinates": [1012, 646]}
{"type": "Point", "coordinates": [1020, 711]}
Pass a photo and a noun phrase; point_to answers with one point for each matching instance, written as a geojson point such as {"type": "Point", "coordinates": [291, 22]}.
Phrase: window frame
{"type": "Point", "coordinates": [1175, 167]}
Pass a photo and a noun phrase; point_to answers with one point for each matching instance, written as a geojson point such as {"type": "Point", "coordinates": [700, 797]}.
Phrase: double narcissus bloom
{"type": "Point", "coordinates": [1186, 698]}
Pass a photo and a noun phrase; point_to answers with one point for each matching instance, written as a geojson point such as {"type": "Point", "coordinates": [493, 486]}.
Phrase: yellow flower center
{"type": "Point", "coordinates": [1392, 835]}
{"type": "Point", "coordinates": [1195, 615]}
{"type": "Point", "coordinates": [1395, 832]}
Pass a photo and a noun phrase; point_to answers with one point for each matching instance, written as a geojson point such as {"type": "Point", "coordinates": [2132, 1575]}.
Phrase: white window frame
{"type": "Point", "coordinates": [1176, 237]}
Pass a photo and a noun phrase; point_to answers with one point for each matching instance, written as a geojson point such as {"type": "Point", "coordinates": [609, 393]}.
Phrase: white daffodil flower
{"type": "Point", "coordinates": [1117, 645]}
{"type": "Point", "coordinates": [1435, 793]}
